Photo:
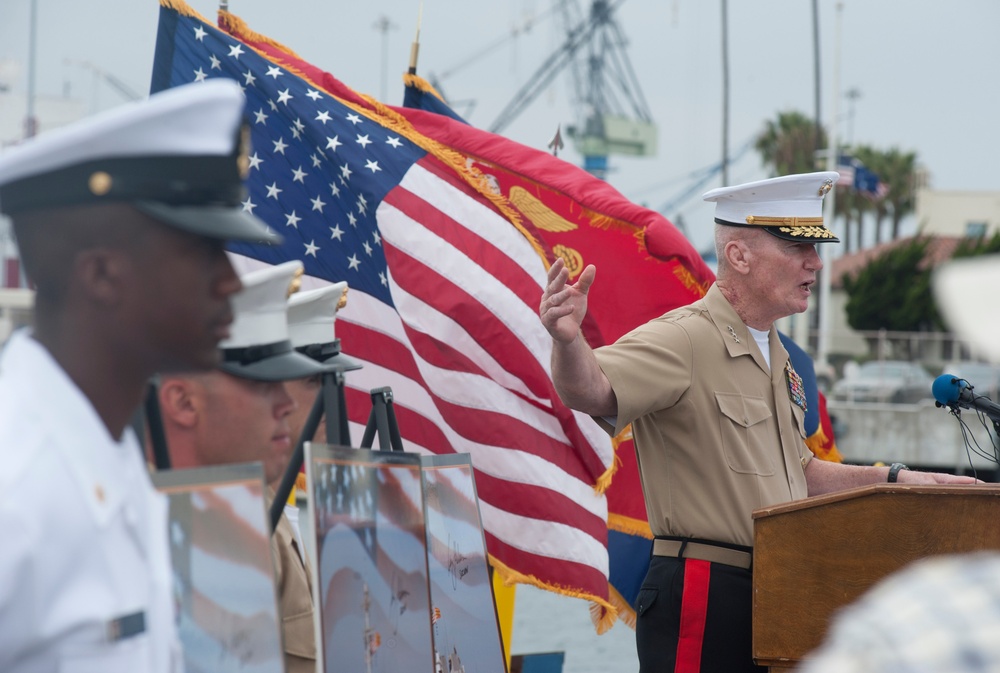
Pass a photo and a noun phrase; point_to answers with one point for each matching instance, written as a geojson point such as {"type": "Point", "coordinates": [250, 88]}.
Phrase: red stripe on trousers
{"type": "Point", "coordinates": [694, 608]}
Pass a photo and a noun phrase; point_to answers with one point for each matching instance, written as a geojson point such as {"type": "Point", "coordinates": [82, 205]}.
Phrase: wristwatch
{"type": "Point", "coordinates": [894, 471]}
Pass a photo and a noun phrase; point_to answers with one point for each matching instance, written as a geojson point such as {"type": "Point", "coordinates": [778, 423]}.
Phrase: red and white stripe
{"type": "Point", "coordinates": [468, 362]}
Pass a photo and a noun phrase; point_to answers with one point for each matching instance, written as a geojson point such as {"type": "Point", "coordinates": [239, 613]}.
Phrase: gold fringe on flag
{"type": "Point", "coordinates": [630, 526]}
{"type": "Point", "coordinates": [688, 280]}
{"type": "Point", "coordinates": [626, 612]}
{"type": "Point", "coordinates": [602, 612]}
{"type": "Point", "coordinates": [817, 444]}
{"type": "Point", "coordinates": [300, 485]}
{"type": "Point", "coordinates": [420, 83]}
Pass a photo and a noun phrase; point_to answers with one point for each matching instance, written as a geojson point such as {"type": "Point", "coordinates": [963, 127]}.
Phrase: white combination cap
{"type": "Point", "coordinates": [180, 156]}
{"type": "Point", "coordinates": [312, 315]}
{"type": "Point", "coordinates": [259, 347]}
{"type": "Point", "coordinates": [789, 207]}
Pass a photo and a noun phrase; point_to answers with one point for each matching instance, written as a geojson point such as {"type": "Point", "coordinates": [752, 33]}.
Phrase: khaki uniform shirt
{"type": "Point", "coordinates": [293, 578]}
{"type": "Point", "coordinates": [717, 434]}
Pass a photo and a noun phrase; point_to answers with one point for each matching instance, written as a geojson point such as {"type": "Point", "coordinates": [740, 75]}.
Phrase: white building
{"type": "Point", "coordinates": [958, 213]}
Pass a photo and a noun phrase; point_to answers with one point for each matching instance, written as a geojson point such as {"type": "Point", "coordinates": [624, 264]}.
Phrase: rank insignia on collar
{"type": "Point", "coordinates": [733, 333]}
{"type": "Point", "coordinates": [796, 389]}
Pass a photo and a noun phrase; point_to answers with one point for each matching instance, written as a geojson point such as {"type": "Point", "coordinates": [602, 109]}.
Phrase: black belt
{"type": "Point", "coordinates": [702, 551]}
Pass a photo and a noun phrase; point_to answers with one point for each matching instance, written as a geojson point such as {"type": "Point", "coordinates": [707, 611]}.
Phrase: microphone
{"type": "Point", "coordinates": [951, 391]}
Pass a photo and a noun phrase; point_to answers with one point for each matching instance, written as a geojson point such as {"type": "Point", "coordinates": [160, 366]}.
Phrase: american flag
{"type": "Point", "coordinates": [443, 299]}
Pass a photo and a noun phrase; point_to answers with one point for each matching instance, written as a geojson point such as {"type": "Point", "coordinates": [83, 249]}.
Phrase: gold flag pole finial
{"type": "Point", "coordinates": [415, 47]}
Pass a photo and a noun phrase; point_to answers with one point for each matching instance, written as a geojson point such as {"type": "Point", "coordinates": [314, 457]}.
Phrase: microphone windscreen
{"type": "Point", "coordinates": [946, 389]}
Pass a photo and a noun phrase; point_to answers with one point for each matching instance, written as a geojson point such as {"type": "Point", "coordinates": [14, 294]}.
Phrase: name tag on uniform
{"type": "Point", "coordinates": [126, 626]}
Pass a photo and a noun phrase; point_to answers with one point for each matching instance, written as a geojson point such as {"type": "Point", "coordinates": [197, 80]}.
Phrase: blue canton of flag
{"type": "Point", "coordinates": [318, 169]}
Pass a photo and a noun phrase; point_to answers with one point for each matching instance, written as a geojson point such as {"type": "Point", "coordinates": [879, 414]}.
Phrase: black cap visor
{"type": "Point", "coordinates": [283, 366]}
{"type": "Point", "coordinates": [227, 223]}
{"type": "Point", "coordinates": [800, 234]}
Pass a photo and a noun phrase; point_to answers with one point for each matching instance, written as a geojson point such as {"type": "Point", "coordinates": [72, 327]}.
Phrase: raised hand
{"type": "Point", "coordinates": [563, 306]}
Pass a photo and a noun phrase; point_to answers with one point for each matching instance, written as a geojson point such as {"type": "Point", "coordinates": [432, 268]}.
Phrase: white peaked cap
{"type": "Point", "coordinates": [789, 207]}
{"type": "Point", "coordinates": [178, 156]}
{"type": "Point", "coordinates": [313, 313]}
{"type": "Point", "coordinates": [965, 291]}
{"type": "Point", "coordinates": [259, 308]}
{"type": "Point", "coordinates": [311, 318]}
{"type": "Point", "coordinates": [258, 346]}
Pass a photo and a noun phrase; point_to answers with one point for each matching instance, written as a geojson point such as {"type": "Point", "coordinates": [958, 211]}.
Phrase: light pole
{"type": "Point", "coordinates": [384, 25]}
{"type": "Point", "coordinates": [823, 340]}
{"type": "Point", "coordinates": [30, 120]}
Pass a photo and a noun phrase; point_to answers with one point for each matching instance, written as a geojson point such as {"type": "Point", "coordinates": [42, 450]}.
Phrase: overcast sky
{"type": "Point", "coordinates": [925, 72]}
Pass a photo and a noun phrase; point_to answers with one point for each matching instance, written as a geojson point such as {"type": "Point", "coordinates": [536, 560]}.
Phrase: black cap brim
{"type": "Point", "coordinates": [802, 237]}
{"type": "Point", "coordinates": [226, 223]}
{"type": "Point", "coordinates": [340, 363]}
{"type": "Point", "coordinates": [284, 367]}
{"type": "Point", "coordinates": [800, 234]}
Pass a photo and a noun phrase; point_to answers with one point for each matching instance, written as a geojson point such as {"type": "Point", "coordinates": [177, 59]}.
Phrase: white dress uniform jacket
{"type": "Point", "coordinates": [84, 563]}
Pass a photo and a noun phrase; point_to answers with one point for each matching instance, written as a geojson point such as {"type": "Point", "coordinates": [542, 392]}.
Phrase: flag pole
{"type": "Point", "coordinates": [415, 47]}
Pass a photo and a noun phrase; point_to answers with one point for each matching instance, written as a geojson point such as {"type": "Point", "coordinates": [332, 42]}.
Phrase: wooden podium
{"type": "Point", "coordinates": [815, 555]}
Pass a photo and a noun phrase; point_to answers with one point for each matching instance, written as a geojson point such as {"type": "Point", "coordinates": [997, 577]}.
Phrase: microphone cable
{"type": "Point", "coordinates": [972, 444]}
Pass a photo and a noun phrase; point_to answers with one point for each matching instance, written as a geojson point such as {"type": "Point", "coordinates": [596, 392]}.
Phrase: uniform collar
{"type": "Point", "coordinates": [734, 332]}
{"type": "Point", "coordinates": [92, 457]}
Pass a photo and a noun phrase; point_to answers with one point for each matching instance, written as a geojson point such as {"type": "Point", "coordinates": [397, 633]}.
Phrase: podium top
{"type": "Point", "coordinates": [878, 489]}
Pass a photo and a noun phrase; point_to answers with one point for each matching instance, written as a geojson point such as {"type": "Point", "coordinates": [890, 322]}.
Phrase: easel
{"type": "Point", "coordinates": [332, 402]}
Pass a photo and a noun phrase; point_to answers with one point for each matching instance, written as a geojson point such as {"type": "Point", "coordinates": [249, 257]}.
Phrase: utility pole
{"type": "Point", "coordinates": [725, 93]}
{"type": "Point", "coordinates": [384, 25]}
{"type": "Point", "coordinates": [816, 77]}
{"type": "Point", "coordinates": [852, 95]}
{"type": "Point", "coordinates": [31, 120]}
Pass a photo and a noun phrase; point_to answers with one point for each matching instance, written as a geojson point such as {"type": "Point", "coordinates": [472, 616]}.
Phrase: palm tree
{"type": "Point", "coordinates": [851, 206]}
{"type": "Point", "coordinates": [788, 144]}
{"type": "Point", "coordinates": [876, 161]}
{"type": "Point", "coordinates": [900, 175]}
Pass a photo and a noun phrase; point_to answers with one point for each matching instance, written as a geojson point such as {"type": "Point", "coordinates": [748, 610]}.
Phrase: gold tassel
{"type": "Point", "coordinates": [604, 481]}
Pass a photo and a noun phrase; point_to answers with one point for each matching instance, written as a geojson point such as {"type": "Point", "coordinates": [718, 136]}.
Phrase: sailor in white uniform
{"type": "Point", "coordinates": [121, 221]}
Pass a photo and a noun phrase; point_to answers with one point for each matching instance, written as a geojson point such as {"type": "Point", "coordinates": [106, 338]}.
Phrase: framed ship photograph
{"type": "Point", "coordinates": [463, 612]}
{"type": "Point", "coordinates": [370, 554]}
{"type": "Point", "coordinates": [223, 570]}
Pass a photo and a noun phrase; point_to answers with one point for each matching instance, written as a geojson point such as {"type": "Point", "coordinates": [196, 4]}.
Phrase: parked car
{"type": "Point", "coordinates": [983, 377]}
{"type": "Point", "coordinates": [885, 381]}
